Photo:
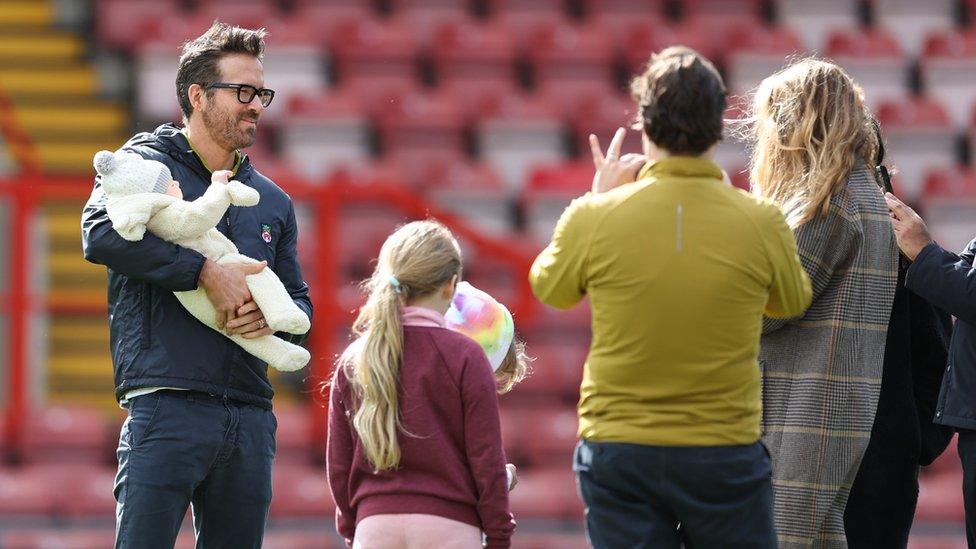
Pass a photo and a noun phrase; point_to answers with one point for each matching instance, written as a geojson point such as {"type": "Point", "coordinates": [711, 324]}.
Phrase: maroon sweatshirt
{"type": "Point", "coordinates": [452, 466]}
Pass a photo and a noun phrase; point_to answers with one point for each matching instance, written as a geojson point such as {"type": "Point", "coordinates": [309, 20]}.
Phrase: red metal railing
{"type": "Point", "coordinates": [24, 194]}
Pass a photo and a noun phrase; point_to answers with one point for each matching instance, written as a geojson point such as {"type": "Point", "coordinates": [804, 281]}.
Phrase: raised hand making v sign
{"type": "Point", "coordinates": [614, 170]}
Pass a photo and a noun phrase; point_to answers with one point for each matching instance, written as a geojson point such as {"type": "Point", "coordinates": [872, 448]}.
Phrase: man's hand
{"type": "Point", "coordinates": [226, 288]}
{"type": "Point", "coordinates": [613, 171]}
{"type": "Point", "coordinates": [250, 322]}
{"type": "Point", "coordinates": [910, 229]}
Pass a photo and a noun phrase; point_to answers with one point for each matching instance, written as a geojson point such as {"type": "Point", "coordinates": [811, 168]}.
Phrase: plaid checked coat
{"type": "Point", "coordinates": [822, 371]}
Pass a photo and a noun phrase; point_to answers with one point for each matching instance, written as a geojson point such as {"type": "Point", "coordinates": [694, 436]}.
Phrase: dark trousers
{"type": "Point", "coordinates": [967, 454]}
{"type": "Point", "coordinates": [179, 448]}
{"type": "Point", "coordinates": [639, 496]}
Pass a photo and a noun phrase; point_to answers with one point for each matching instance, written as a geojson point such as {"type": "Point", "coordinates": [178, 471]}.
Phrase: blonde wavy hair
{"type": "Point", "coordinates": [810, 127]}
{"type": "Point", "coordinates": [423, 256]}
{"type": "Point", "coordinates": [514, 367]}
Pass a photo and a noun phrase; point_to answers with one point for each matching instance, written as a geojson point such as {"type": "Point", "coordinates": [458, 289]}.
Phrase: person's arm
{"type": "Point", "coordinates": [289, 271]}
{"type": "Point", "coordinates": [150, 259]}
{"type": "Point", "coordinates": [824, 245]}
{"type": "Point", "coordinates": [339, 456]}
{"type": "Point", "coordinates": [945, 280]}
{"type": "Point", "coordinates": [483, 447]}
{"type": "Point", "coordinates": [183, 220]}
{"type": "Point", "coordinates": [789, 293]}
{"type": "Point", "coordinates": [558, 275]}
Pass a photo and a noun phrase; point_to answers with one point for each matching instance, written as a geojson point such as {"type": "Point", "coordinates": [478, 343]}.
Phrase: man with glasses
{"type": "Point", "coordinates": [200, 429]}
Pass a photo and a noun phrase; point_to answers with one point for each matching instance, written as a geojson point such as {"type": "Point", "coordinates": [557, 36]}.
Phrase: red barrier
{"type": "Point", "coordinates": [24, 194]}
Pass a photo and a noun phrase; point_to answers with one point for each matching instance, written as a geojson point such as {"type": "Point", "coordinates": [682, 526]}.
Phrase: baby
{"type": "Point", "coordinates": [142, 195]}
{"type": "Point", "coordinates": [479, 316]}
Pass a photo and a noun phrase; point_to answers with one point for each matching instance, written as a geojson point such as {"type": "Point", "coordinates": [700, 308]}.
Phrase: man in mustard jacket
{"type": "Point", "coordinates": [680, 268]}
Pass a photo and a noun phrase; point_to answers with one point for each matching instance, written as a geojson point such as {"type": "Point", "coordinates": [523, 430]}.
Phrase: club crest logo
{"type": "Point", "coordinates": [266, 233]}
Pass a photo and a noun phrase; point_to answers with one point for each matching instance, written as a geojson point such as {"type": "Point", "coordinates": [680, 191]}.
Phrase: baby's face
{"type": "Point", "coordinates": [174, 189]}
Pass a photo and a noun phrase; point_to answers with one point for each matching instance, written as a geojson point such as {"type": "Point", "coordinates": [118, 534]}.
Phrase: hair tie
{"type": "Point", "coordinates": [397, 287]}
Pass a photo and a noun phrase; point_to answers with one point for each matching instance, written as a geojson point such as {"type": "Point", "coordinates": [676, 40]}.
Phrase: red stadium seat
{"type": "Point", "coordinates": [550, 189]}
{"type": "Point", "coordinates": [478, 98]}
{"type": "Point", "coordinates": [550, 433]}
{"type": "Point", "coordinates": [294, 436]}
{"type": "Point", "coordinates": [526, 24]}
{"type": "Point", "coordinates": [919, 137]}
{"type": "Point", "coordinates": [28, 491]}
{"type": "Point", "coordinates": [325, 130]}
{"type": "Point", "coordinates": [428, 22]}
{"type": "Point", "coordinates": [331, 18]}
{"type": "Point", "coordinates": [56, 537]}
{"type": "Point", "coordinates": [518, 134]}
{"type": "Point", "coordinates": [85, 491]}
{"type": "Point", "coordinates": [632, 8]}
{"type": "Point", "coordinates": [62, 434]}
{"type": "Point", "coordinates": [948, 203]}
{"type": "Point", "coordinates": [874, 59]}
{"type": "Point", "coordinates": [813, 20]}
{"type": "Point", "coordinates": [733, 8]}
{"type": "Point", "coordinates": [122, 24]}
{"type": "Point", "coordinates": [474, 50]}
{"type": "Point", "coordinates": [940, 498]}
{"type": "Point", "coordinates": [476, 194]}
{"type": "Point", "coordinates": [910, 21]}
{"type": "Point", "coordinates": [757, 53]}
{"type": "Point", "coordinates": [948, 72]}
{"type": "Point", "coordinates": [645, 40]}
{"type": "Point", "coordinates": [557, 369]}
{"type": "Point", "coordinates": [547, 494]}
{"type": "Point", "coordinates": [571, 53]}
{"type": "Point", "coordinates": [301, 492]}
{"type": "Point", "coordinates": [377, 49]}
{"type": "Point", "coordinates": [619, 25]}
{"type": "Point", "coordinates": [422, 121]}
{"type": "Point", "coordinates": [602, 116]}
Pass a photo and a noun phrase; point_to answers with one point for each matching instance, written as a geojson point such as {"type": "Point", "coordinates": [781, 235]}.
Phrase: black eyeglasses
{"type": "Point", "coordinates": [246, 92]}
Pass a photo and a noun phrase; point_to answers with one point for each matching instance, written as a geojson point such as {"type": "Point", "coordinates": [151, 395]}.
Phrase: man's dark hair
{"type": "Point", "coordinates": [200, 56]}
{"type": "Point", "coordinates": [681, 99]}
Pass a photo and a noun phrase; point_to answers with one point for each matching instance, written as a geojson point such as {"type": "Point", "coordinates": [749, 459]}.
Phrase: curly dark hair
{"type": "Point", "coordinates": [681, 99]}
{"type": "Point", "coordinates": [200, 56]}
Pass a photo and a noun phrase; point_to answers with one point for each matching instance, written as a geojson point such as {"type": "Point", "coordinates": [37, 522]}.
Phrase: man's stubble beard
{"type": "Point", "coordinates": [223, 129]}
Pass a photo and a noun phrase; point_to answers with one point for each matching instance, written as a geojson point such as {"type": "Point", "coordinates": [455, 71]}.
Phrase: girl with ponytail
{"type": "Point", "coordinates": [414, 443]}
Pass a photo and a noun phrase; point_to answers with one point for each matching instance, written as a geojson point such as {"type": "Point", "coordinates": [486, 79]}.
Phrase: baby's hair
{"type": "Point", "coordinates": [514, 368]}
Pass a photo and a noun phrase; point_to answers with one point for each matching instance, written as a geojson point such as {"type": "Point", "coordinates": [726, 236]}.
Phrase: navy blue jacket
{"type": "Point", "coordinates": [155, 342]}
{"type": "Point", "coordinates": [948, 281]}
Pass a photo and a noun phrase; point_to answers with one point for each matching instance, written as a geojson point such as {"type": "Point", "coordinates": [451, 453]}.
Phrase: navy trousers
{"type": "Point", "coordinates": [639, 496]}
{"type": "Point", "coordinates": [181, 448]}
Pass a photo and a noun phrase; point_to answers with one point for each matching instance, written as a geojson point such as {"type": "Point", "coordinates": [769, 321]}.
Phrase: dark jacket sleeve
{"type": "Point", "coordinates": [151, 259]}
{"type": "Point", "coordinates": [945, 280]}
{"type": "Point", "coordinates": [289, 271]}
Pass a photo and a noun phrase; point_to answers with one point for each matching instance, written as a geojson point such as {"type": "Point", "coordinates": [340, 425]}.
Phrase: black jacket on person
{"type": "Point", "coordinates": [881, 505]}
{"type": "Point", "coordinates": [948, 281]}
{"type": "Point", "coordinates": [155, 342]}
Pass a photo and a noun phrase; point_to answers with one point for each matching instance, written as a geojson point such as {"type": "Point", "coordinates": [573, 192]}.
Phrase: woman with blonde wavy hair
{"type": "Point", "coordinates": [414, 447]}
{"type": "Point", "coordinates": [813, 155]}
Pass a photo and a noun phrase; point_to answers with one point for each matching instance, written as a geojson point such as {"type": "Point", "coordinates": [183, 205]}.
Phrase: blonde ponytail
{"type": "Point", "coordinates": [415, 261]}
